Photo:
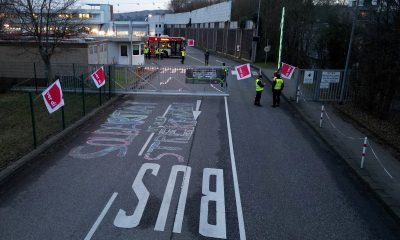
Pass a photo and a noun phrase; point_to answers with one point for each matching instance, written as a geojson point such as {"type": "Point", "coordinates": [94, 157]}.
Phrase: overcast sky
{"type": "Point", "coordinates": [131, 5]}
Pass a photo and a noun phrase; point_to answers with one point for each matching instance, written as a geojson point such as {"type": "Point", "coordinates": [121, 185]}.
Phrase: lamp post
{"type": "Point", "coordinates": [254, 43]}
{"type": "Point", "coordinates": [345, 77]}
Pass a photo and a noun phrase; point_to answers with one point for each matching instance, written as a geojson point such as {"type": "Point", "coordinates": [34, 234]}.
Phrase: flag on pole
{"type": "Point", "coordinates": [243, 71]}
{"type": "Point", "coordinates": [287, 70]}
{"type": "Point", "coordinates": [190, 42]}
{"type": "Point", "coordinates": [53, 97]}
{"type": "Point", "coordinates": [98, 77]}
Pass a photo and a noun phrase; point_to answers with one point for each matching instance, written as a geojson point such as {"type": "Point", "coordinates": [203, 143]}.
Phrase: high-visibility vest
{"type": "Point", "coordinates": [278, 83]}
{"type": "Point", "coordinates": [146, 50]}
{"type": "Point", "coordinates": [183, 53]}
{"type": "Point", "coordinates": [258, 88]}
{"type": "Point", "coordinates": [157, 51]}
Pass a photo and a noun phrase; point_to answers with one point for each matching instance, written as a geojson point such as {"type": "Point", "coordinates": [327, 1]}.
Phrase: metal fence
{"type": "Point", "coordinates": [318, 85]}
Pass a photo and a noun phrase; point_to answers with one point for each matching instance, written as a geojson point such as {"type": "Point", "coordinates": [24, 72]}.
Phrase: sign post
{"type": "Point", "coordinates": [266, 50]}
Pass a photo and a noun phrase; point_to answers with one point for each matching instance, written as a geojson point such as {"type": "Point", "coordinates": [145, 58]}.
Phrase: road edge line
{"type": "Point", "coordinates": [239, 210]}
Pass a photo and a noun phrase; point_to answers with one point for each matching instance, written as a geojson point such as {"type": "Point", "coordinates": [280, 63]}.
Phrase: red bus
{"type": "Point", "coordinates": [170, 46]}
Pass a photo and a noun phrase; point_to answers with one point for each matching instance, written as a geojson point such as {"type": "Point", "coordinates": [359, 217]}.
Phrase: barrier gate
{"type": "Point", "coordinates": [173, 80]}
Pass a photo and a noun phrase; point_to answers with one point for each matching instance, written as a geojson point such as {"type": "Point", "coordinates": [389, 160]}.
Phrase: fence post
{"type": "Point", "coordinates": [298, 94]}
{"type": "Point", "coordinates": [83, 96]}
{"type": "Point", "coordinates": [33, 120]}
{"type": "Point", "coordinates": [322, 116]}
{"type": "Point", "coordinates": [35, 77]}
{"type": "Point", "coordinates": [100, 96]}
{"type": "Point", "coordinates": [109, 82]}
{"type": "Point", "coordinates": [73, 71]}
{"type": "Point", "coordinates": [63, 117]}
{"type": "Point", "coordinates": [363, 152]}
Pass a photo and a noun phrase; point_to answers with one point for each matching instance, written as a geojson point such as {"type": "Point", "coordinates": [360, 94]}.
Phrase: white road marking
{"type": "Point", "coordinates": [233, 72]}
{"type": "Point", "coordinates": [219, 61]}
{"type": "Point", "coordinates": [242, 230]}
{"type": "Point", "coordinates": [196, 113]}
{"type": "Point", "coordinates": [166, 203]}
{"type": "Point", "coordinates": [254, 72]}
{"type": "Point", "coordinates": [166, 82]}
{"type": "Point", "coordinates": [152, 135]}
{"type": "Point", "coordinates": [217, 230]}
{"type": "Point", "coordinates": [122, 220]}
{"type": "Point", "coordinates": [100, 218]}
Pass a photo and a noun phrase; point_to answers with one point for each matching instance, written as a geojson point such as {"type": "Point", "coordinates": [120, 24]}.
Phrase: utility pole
{"type": "Point", "coordinates": [346, 67]}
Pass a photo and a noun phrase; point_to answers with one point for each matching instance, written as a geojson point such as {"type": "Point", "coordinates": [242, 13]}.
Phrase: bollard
{"type": "Point", "coordinates": [298, 94]}
{"type": "Point", "coordinates": [363, 152]}
{"type": "Point", "coordinates": [322, 116]}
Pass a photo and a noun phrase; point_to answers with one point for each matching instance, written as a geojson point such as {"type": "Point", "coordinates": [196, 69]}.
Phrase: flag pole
{"type": "Point", "coordinates": [280, 40]}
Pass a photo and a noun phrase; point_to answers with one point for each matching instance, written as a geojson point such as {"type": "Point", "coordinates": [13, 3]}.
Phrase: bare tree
{"type": "Point", "coordinates": [48, 22]}
{"type": "Point", "coordinates": [3, 12]}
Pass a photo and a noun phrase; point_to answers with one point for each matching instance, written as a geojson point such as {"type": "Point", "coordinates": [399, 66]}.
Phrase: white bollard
{"type": "Point", "coordinates": [298, 94]}
{"type": "Point", "coordinates": [363, 152]}
{"type": "Point", "coordinates": [322, 116]}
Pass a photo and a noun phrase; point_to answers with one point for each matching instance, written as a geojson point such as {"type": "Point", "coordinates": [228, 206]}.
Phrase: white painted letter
{"type": "Point", "coordinates": [124, 221]}
{"type": "Point", "coordinates": [163, 214]}
{"type": "Point", "coordinates": [219, 229]}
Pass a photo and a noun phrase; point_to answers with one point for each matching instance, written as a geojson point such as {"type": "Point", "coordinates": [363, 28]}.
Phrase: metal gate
{"type": "Point", "coordinates": [173, 80]}
{"type": "Point", "coordinates": [321, 85]}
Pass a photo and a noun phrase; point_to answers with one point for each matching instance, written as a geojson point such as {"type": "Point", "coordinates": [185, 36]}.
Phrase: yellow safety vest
{"type": "Point", "coordinates": [183, 53]}
{"type": "Point", "coordinates": [157, 51]}
{"type": "Point", "coordinates": [146, 50]}
{"type": "Point", "coordinates": [278, 83]}
{"type": "Point", "coordinates": [258, 88]}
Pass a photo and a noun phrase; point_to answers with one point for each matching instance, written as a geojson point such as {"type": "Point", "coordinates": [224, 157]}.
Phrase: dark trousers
{"type": "Point", "coordinates": [257, 98]}
{"type": "Point", "coordinates": [276, 97]}
{"type": "Point", "coordinates": [206, 61]}
{"type": "Point", "coordinates": [183, 59]}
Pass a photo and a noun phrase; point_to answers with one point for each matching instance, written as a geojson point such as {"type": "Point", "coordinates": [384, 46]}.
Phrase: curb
{"type": "Point", "coordinates": [9, 171]}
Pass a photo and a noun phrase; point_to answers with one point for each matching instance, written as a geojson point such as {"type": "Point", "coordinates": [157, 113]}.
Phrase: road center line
{"type": "Point", "coordinates": [152, 134]}
{"type": "Point", "coordinates": [101, 216]}
{"type": "Point", "coordinates": [242, 230]}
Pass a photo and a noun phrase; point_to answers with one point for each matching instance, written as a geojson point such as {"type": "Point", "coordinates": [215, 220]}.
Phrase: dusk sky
{"type": "Point", "coordinates": [131, 5]}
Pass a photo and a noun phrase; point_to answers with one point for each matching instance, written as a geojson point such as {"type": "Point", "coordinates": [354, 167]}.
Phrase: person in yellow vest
{"type": "Point", "coordinates": [146, 52]}
{"type": "Point", "coordinates": [259, 89]}
{"type": "Point", "coordinates": [277, 87]}
{"type": "Point", "coordinates": [183, 54]}
{"type": "Point", "coordinates": [157, 53]}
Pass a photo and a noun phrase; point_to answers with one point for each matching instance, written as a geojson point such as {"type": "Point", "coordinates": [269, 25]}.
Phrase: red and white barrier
{"type": "Point", "coordinates": [322, 116]}
{"type": "Point", "coordinates": [364, 151]}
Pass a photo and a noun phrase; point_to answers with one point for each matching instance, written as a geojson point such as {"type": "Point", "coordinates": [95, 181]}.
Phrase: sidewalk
{"type": "Point", "coordinates": [381, 171]}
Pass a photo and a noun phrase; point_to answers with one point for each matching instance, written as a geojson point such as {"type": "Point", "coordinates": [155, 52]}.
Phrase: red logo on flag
{"type": "Point", "coordinates": [243, 71]}
{"type": "Point", "coordinates": [53, 97]}
{"type": "Point", "coordinates": [287, 70]}
{"type": "Point", "coordinates": [190, 42]}
{"type": "Point", "coordinates": [98, 77]}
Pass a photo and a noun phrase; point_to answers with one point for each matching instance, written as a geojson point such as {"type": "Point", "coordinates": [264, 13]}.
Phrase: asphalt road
{"type": "Point", "coordinates": [147, 169]}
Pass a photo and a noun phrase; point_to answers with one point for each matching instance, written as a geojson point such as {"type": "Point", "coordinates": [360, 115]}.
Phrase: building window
{"type": "Point", "coordinates": [124, 50]}
{"type": "Point", "coordinates": [90, 49]}
{"type": "Point", "coordinates": [135, 49]}
{"type": "Point", "coordinates": [95, 49]}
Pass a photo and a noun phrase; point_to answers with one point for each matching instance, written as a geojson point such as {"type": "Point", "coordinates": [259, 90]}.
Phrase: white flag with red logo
{"type": "Point", "coordinates": [243, 71]}
{"type": "Point", "coordinates": [53, 97]}
{"type": "Point", "coordinates": [98, 77]}
{"type": "Point", "coordinates": [287, 70]}
{"type": "Point", "coordinates": [190, 42]}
